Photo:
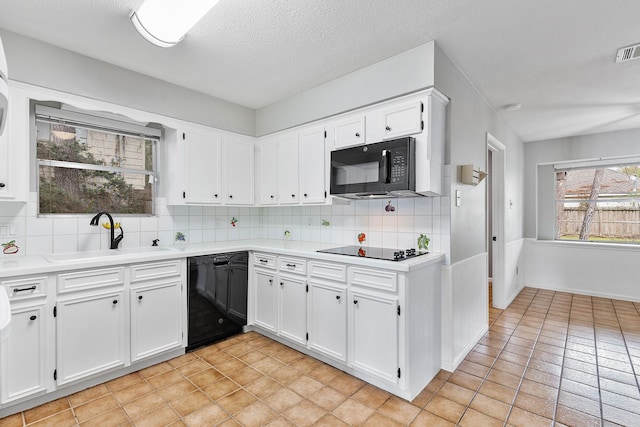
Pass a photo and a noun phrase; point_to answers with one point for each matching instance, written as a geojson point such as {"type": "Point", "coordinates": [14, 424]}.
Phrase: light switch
{"type": "Point", "coordinates": [458, 197]}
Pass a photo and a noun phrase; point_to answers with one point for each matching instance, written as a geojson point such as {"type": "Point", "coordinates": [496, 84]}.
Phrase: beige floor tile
{"type": "Point", "coordinates": [220, 388]}
{"type": "Point", "coordinates": [328, 398]}
{"type": "Point", "coordinates": [330, 420]}
{"type": "Point", "coordinates": [230, 366]}
{"type": "Point", "coordinates": [371, 396]}
{"type": "Point", "coordinates": [206, 377]}
{"type": "Point", "coordinates": [206, 416]}
{"type": "Point", "coordinates": [193, 367]}
{"type": "Point", "coordinates": [143, 405]}
{"type": "Point", "coordinates": [176, 390]}
{"type": "Point", "coordinates": [280, 422]}
{"type": "Point", "coordinates": [252, 357]}
{"type": "Point", "coordinates": [267, 365]}
{"type": "Point", "coordinates": [160, 417]}
{"type": "Point", "coordinates": [14, 420]}
{"type": "Point", "coordinates": [378, 420]}
{"type": "Point", "coordinates": [88, 394]}
{"type": "Point", "coordinates": [324, 373]}
{"type": "Point", "coordinates": [445, 408]}
{"type": "Point", "coordinates": [571, 417]}
{"type": "Point", "coordinates": [352, 412]}
{"type": "Point", "coordinates": [255, 415]}
{"type": "Point", "coordinates": [465, 380]}
{"type": "Point", "coordinates": [288, 355]}
{"type": "Point", "coordinates": [181, 360]}
{"type": "Point", "coordinates": [473, 418]}
{"type": "Point", "coordinates": [124, 382]}
{"type": "Point", "coordinates": [491, 407]}
{"type": "Point", "coordinates": [346, 384]}
{"type": "Point", "coordinates": [456, 393]}
{"type": "Point", "coordinates": [245, 375]}
{"type": "Point", "coordinates": [283, 399]}
{"type": "Point", "coordinates": [133, 392]}
{"type": "Point", "coordinates": [306, 387]}
{"type": "Point", "coordinates": [522, 418]}
{"type": "Point", "coordinates": [286, 374]}
{"type": "Point", "coordinates": [164, 379]}
{"type": "Point", "coordinates": [263, 387]}
{"type": "Point", "coordinates": [46, 410]}
{"type": "Point", "coordinates": [95, 407]}
{"type": "Point", "coordinates": [154, 370]}
{"type": "Point", "coordinates": [399, 410]}
{"type": "Point", "coordinates": [237, 400]}
{"type": "Point", "coordinates": [536, 405]}
{"type": "Point", "coordinates": [304, 413]}
{"type": "Point", "coordinates": [190, 403]}
{"type": "Point", "coordinates": [61, 419]}
{"type": "Point", "coordinates": [427, 419]}
{"type": "Point", "coordinates": [113, 418]}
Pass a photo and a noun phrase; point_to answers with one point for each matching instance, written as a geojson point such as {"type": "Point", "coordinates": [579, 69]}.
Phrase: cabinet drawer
{"type": "Point", "coordinates": [155, 270]}
{"type": "Point", "coordinates": [80, 280]}
{"type": "Point", "coordinates": [378, 279]}
{"type": "Point", "coordinates": [292, 265]}
{"type": "Point", "coordinates": [325, 270]}
{"type": "Point", "coordinates": [25, 288]}
{"type": "Point", "coordinates": [265, 260]}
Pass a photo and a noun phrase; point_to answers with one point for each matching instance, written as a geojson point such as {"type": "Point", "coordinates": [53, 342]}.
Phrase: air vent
{"type": "Point", "coordinates": [628, 53]}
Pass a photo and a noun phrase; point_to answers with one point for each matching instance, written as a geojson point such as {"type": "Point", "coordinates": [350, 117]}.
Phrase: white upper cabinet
{"type": "Point", "coordinates": [14, 169]}
{"type": "Point", "coordinates": [288, 173]}
{"type": "Point", "coordinates": [312, 165]}
{"type": "Point", "coordinates": [349, 131]}
{"type": "Point", "coordinates": [201, 168]}
{"type": "Point", "coordinates": [394, 120]}
{"type": "Point", "coordinates": [238, 166]}
{"type": "Point", "coordinates": [267, 176]}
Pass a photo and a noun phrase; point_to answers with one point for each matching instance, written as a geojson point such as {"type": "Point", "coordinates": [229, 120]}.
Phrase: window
{"type": "Point", "coordinates": [599, 203]}
{"type": "Point", "coordinates": [88, 164]}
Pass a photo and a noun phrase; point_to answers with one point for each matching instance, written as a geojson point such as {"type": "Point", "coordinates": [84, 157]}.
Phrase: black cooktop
{"type": "Point", "coordinates": [377, 253]}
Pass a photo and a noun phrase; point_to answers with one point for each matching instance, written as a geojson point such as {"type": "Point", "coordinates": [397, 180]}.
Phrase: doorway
{"type": "Point", "coordinates": [496, 235]}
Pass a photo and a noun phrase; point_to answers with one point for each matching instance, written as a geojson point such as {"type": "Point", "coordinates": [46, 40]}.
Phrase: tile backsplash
{"type": "Point", "coordinates": [335, 224]}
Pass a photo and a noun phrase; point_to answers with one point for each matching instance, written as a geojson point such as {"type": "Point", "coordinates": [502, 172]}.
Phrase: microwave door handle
{"type": "Point", "coordinates": [387, 166]}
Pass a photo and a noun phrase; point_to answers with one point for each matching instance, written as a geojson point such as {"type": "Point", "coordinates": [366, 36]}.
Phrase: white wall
{"type": "Point", "coordinates": [586, 268]}
{"type": "Point", "coordinates": [407, 72]}
{"type": "Point", "coordinates": [41, 64]}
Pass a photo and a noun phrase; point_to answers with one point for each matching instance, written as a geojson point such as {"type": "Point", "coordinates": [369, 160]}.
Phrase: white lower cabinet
{"type": "Point", "coordinates": [374, 334]}
{"type": "Point", "coordinates": [156, 319]}
{"type": "Point", "coordinates": [23, 356]}
{"type": "Point", "coordinates": [292, 310]}
{"type": "Point", "coordinates": [90, 335]}
{"type": "Point", "coordinates": [328, 319]}
{"type": "Point", "coordinates": [266, 299]}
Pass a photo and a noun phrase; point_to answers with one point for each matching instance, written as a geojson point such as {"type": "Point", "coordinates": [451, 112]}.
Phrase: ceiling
{"type": "Point", "coordinates": [556, 58]}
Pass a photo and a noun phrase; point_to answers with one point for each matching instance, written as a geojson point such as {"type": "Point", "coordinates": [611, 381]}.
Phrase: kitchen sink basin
{"type": "Point", "coordinates": [5, 315]}
{"type": "Point", "coordinates": [97, 255]}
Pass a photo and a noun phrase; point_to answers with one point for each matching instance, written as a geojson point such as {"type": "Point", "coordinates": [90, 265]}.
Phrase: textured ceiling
{"type": "Point", "coordinates": [554, 57]}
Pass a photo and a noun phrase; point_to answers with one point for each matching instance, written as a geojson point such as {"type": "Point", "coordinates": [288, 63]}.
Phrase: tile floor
{"type": "Point", "coordinates": [549, 358]}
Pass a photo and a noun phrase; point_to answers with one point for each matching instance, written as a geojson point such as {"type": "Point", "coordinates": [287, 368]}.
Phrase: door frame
{"type": "Point", "coordinates": [498, 207]}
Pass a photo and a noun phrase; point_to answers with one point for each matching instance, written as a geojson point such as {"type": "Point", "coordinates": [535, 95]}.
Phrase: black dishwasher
{"type": "Point", "coordinates": [217, 296]}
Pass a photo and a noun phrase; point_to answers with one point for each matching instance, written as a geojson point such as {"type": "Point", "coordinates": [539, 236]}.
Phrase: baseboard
{"type": "Point", "coordinates": [460, 357]}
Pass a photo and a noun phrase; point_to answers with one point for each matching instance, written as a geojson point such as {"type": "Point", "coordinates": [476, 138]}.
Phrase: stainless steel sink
{"type": "Point", "coordinates": [97, 255]}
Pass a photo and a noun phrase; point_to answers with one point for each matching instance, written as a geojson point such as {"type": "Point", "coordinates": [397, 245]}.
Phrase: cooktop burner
{"type": "Point", "coordinates": [377, 253]}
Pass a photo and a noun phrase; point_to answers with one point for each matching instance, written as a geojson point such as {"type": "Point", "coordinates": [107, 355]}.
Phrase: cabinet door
{"type": "Point", "coordinates": [374, 334]}
{"type": "Point", "coordinates": [328, 320]}
{"type": "Point", "coordinates": [268, 172]}
{"type": "Point", "coordinates": [90, 336]}
{"type": "Point", "coordinates": [402, 119]}
{"type": "Point", "coordinates": [156, 319]}
{"type": "Point", "coordinates": [23, 356]}
{"type": "Point", "coordinates": [201, 168]}
{"type": "Point", "coordinates": [288, 177]}
{"type": "Point", "coordinates": [266, 300]}
{"type": "Point", "coordinates": [238, 165]}
{"type": "Point", "coordinates": [312, 165]}
{"type": "Point", "coordinates": [293, 309]}
{"type": "Point", "coordinates": [349, 131]}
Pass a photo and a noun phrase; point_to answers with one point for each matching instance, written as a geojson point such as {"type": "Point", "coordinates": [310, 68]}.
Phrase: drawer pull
{"type": "Point", "coordinates": [264, 261]}
{"type": "Point", "coordinates": [139, 297]}
{"type": "Point", "coordinates": [355, 301]}
{"type": "Point", "coordinates": [115, 301]}
{"type": "Point", "coordinates": [291, 265]}
{"type": "Point", "coordinates": [33, 318]}
{"type": "Point", "coordinates": [30, 288]}
{"type": "Point", "coordinates": [337, 296]}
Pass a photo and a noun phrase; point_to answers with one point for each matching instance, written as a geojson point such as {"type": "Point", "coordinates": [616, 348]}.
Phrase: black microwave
{"type": "Point", "coordinates": [383, 169]}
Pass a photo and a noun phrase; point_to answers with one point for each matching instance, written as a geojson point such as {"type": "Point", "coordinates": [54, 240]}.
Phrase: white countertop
{"type": "Point", "coordinates": [18, 266]}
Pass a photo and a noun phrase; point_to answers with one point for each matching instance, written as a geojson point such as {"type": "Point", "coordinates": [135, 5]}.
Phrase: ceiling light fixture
{"type": "Point", "coordinates": [165, 22]}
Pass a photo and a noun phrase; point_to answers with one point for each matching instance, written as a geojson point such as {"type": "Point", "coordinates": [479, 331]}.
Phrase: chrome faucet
{"type": "Point", "coordinates": [115, 241]}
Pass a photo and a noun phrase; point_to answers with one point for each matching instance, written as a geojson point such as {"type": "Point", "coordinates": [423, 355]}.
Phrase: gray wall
{"type": "Point", "coordinates": [404, 73]}
{"type": "Point", "coordinates": [539, 179]}
{"type": "Point", "coordinates": [41, 64]}
{"type": "Point", "coordinates": [469, 118]}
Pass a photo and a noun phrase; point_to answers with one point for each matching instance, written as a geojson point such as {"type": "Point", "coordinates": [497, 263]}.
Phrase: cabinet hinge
{"type": "Point", "coordinates": [55, 374]}
{"type": "Point", "coordinates": [422, 125]}
{"type": "Point", "coordinates": [307, 336]}
{"type": "Point", "coordinates": [398, 310]}
{"type": "Point", "coordinates": [307, 288]}
{"type": "Point", "coordinates": [422, 107]}
{"type": "Point", "coordinates": [184, 136]}
{"type": "Point", "coordinates": [325, 194]}
{"type": "Point", "coordinates": [325, 133]}
{"type": "Point", "coordinates": [55, 311]}
{"type": "Point", "coordinates": [399, 373]}
{"type": "Point", "coordinates": [184, 194]}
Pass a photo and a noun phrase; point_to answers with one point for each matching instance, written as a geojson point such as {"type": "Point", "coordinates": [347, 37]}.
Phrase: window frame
{"type": "Point", "coordinates": [69, 116]}
{"type": "Point", "coordinates": [591, 164]}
